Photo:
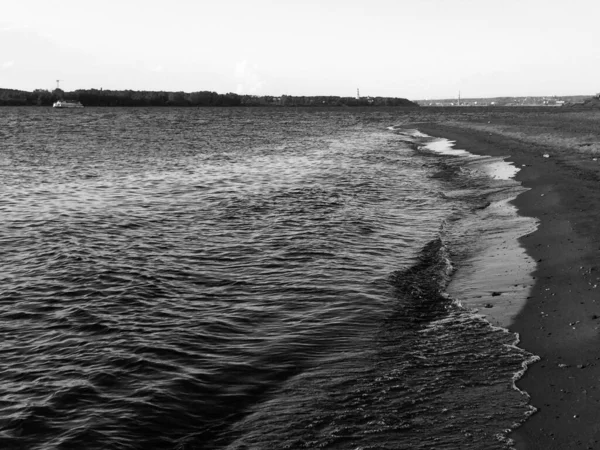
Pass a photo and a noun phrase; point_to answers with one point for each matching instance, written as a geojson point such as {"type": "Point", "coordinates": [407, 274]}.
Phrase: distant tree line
{"type": "Point", "coordinates": [100, 97]}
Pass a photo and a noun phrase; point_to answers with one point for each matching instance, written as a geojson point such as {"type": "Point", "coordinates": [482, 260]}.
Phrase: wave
{"type": "Point", "coordinates": [435, 375]}
{"type": "Point", "coordinates": [142, 311]}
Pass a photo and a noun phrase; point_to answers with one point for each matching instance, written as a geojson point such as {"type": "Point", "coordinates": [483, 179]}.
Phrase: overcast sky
{"type": "Point", "coordinates": [416, 49]}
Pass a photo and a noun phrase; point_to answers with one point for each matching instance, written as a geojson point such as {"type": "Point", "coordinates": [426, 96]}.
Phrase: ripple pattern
{"type": "Point", "coordinates": [168, 271]}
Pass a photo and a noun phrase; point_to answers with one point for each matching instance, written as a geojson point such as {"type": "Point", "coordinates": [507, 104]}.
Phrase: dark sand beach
{"type": "Point", "coordinates": [558, 151]}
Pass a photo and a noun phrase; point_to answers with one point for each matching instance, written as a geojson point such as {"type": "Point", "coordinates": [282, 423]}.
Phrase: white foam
{"type": "Point", "coordinates": [417, 133]}
{"type": "Point", "coordinates": [501, 170]}
{"type": "Point", "coordinates": [497, 169]}
{"type": "Point", "coordinates": [445, 147]}
{"type": "Point", "coordinates": [410, 132]}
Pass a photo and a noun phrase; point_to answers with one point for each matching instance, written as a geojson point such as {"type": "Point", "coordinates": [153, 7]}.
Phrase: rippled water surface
{"type": "Point", "coordinates": [235, 278]}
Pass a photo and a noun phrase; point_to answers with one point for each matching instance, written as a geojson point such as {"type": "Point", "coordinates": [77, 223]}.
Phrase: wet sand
{"type": "Point", "coordinates": [560, 321]}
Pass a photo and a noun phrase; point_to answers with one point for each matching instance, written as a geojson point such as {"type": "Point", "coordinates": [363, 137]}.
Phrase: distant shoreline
{"type": "Point", "coordinates": [100, 97]}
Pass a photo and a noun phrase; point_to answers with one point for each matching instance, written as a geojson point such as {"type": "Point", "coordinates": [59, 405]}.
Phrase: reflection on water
{"type": "Point", "coordinates": [171, 274]}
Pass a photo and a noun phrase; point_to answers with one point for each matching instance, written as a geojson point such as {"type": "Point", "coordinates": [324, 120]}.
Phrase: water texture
{"type": "Point", "coordinates": [237, 278]}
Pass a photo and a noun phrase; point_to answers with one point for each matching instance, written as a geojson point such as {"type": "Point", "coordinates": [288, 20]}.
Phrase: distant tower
{"type": "Point", "coordinates": [57, 82]}
{"type": "Point", "coordinates": [357, 94]}
{"type": "Point", "coordinates": [458, 98]}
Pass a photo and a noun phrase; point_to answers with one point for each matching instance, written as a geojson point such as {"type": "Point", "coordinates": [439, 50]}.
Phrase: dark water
{"type": "Point", "coordinates": [236, 278]}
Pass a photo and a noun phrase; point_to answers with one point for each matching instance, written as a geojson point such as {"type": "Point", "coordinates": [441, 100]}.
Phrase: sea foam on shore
{"type": "Point", "coordinates": [494, 271]}
{"type": "Point", "coordinates": [494, 276]}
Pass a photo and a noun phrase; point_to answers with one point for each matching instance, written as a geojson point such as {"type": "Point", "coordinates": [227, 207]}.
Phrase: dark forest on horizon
{"type": "Point", "coordinates": [100, 97]}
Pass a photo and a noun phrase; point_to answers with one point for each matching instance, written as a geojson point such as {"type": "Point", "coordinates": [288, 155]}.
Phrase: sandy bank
{"type": "Point", "coordinates": [560, 322]}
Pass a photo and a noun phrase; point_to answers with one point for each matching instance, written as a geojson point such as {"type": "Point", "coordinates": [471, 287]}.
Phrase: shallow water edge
{"type": "Point", "coordinates": [494, 272]}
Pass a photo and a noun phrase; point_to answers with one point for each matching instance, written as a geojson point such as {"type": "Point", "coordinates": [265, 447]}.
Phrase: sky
{"type": "Point", "coordinates": [415, 49]}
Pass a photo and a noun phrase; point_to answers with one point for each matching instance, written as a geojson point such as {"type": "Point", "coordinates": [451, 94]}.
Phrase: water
{"type": "Point", "coordinates": [241, 278]}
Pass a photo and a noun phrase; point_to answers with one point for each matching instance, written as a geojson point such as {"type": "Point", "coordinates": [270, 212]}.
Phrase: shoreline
{"type": "Point", "coordinates": [494, 276]}
{"type": "Point", "coordinates": [561, 317]}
